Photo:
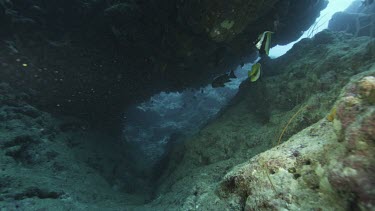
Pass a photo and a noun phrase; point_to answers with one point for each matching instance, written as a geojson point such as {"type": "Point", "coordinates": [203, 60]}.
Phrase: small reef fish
{"type": "Point", "coordinates": [264, 42]}
{"type": "Point", "coordinates": [220, 80]}
{"type": "Point", "coordinates": [254, 73]}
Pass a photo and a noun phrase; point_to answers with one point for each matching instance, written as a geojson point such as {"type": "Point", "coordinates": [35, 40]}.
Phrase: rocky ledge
{"type": "Point", "coordinates": [324, 88]}
{"type": "Point", "coordinates": [98, 56]}
{"type": "Point", "coordinates": [323, 166]}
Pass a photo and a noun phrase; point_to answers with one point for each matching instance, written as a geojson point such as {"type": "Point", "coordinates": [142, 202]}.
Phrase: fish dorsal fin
{"type": "Point", "coordinates": [264, 37]}
{"type": "Point", "coordinates": [260, 40]}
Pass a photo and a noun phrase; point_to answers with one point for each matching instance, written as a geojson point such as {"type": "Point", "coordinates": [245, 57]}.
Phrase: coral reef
{"type": "Point", "coordinates": [324, 86]}
{"type": "Point", "coordinates": [315, 169]}
{"type": "Point", "coordinates": [310, 76]}
{"type": "Point", "coordinates": [48, 163]}
{"type": "Point", "coordinates": [98, 56]}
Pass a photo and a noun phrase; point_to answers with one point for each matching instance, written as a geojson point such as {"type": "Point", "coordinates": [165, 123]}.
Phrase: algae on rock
{"type": "Point", "coordinates": [312, 74]}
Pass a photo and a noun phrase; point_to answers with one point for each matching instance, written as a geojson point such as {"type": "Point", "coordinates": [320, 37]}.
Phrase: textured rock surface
{"type": "Point", "coordinates": [96, 56]}
{"type": "Point", "coordinates": [327, 166]}
{"type": "Point", "coordinates": [358, 19]}
{"type": "Point", "coordinates": [312, 74]}
{"type": "Point", "coordinates": [48, 163]}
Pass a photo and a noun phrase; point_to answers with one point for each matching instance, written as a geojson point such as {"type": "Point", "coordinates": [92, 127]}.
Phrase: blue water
{"type": "Point", "coordinates": [320, 24]}
{"type": "Point", "coordinates": [150, 124]}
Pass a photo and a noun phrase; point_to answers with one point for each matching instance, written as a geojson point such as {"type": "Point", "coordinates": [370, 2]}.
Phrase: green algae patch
{"type": "Point", "coordinates": [227, 24]}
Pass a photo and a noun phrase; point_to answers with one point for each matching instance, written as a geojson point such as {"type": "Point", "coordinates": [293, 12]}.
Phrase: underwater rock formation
{"type": "Point", "coordinates": [327, 166]}
{"type": "Point", "coordinates": [49, 163]}
{"type": "Point", "coordinates": [97, 56]}
{"type": "Point", "coordinates": [223, 21]}
{"type": "Point", "coordinates": [358, 19]}
{"type": "Point", "coordinates": [205, 172]}
{"type": "Point", "coordinates": [325, 159]}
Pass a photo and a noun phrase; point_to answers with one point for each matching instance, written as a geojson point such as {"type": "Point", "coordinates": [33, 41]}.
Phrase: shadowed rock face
{"type": "Point", "coordinates": [91, 58]}
{"type": "Point", "coordinates": [310, 164]}
{"type": "Point", "coordinates": [358, 19]}
{"type": "Point", "coordinates": [222, 20]}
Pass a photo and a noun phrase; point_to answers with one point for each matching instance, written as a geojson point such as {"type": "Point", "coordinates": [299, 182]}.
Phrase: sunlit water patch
{"type": "Point", "coordinates": [152, 124]}
{"type": "Point", "coordinates": [320, 24]}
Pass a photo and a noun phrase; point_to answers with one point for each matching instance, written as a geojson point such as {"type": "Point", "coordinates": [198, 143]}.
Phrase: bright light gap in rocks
{"type": "Point", "coordinates": [153, 123]}
{"type": "Point", "coordinates": [321, 24]}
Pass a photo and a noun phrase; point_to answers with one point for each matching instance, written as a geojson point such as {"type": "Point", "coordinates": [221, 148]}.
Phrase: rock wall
{"type": "Point", "coordinates": [358, 19]}
{"type": "Point", "coordinates": [205, 173]}
{"type": "Point", "coordinates": [90, 58]}
{"type": "Point", "coordinates": [324, 160]}
{"type": "Point", "coordinates": [59, 163]}
{"type": "Point", "coordinates": [327, 166]}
